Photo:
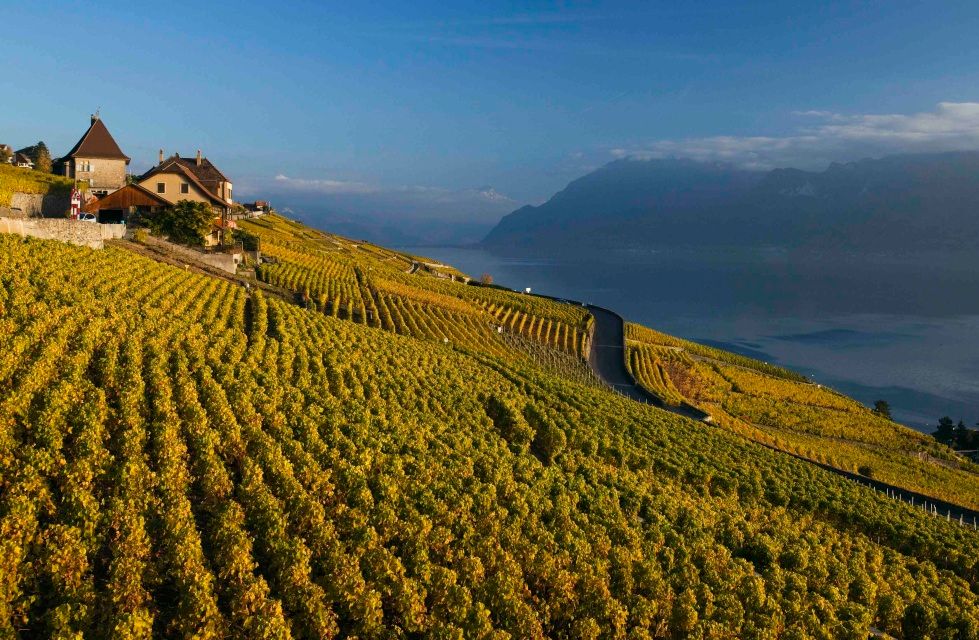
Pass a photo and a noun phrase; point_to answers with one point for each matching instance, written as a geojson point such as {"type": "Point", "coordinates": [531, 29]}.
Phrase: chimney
{"type": "Point", "coordinates": [161, 156]}
{"type": "Point", "coordinates": [94, 118]}
{"type": "Point", "coordinates": [198, 157]}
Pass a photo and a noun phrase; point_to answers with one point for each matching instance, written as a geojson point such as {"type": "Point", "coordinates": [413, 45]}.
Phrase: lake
{"type": "Point", "coordinates": [898, 328]}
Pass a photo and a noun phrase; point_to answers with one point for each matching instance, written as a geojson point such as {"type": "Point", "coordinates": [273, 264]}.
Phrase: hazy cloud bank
{"type": "Point", "coordinates": [397, 215]}
{"type": "Point", "coordinates": [829, 136]}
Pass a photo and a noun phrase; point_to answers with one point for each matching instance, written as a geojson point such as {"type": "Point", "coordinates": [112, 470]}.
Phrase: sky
{"type": "Point", "coordinates": [464, 111]}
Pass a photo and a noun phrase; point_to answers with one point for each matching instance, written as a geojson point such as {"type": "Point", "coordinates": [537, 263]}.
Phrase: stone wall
{"type": "Point", "coordinates": [223, 261]}
{"type": "Point", "coordinates": [36, 205]}
{"type": "Point", "coordinates": [86, 234]}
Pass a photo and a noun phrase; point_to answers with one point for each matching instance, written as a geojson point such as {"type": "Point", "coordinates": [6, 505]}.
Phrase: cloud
{"type": "Point", "coordinates": [402, 205]}
{"type": "Point", "coordinates": [323, 185]}
{"type": "Point", "coordinates": [951, 126]}
{"type": "Point", "coordinates": [415, 193]}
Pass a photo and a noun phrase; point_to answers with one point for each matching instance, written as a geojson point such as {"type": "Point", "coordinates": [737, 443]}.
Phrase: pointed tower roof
{"type": "Point", "coordinates": [97, 143]}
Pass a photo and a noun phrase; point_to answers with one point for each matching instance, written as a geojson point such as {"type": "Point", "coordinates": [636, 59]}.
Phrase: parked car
{"type": "Point", "coordinates": [87, 217]}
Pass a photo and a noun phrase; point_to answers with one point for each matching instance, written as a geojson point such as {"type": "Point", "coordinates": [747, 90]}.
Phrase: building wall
{"type": "Point", "coordinates": [225, 191]}
{"type": "Point", "coordinates": [105, 174]}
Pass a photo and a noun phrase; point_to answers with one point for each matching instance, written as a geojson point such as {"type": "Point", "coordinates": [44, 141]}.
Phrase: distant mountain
{"type": "Point", "coordinates": [400, 216]}
{"type": "Point", "coordinates": [904, 202]}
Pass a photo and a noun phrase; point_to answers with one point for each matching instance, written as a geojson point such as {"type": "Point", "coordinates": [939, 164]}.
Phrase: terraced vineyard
{"type": "Point", "coordinates": [182, 458]}
{"type": "Point", "coordinates": [20, 180]}
{"type": "Point", "coordinates": [770, 405]}
{"type": "Point", "coordinates": [372, 285]}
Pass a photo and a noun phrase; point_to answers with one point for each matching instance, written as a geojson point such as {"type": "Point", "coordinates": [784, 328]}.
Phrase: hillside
{"type": "Point", "coordinates": [783, 410]}
{"type": "Point", "coordinates": [370, 285]}
{"type": "Point", "coordinates": [897, 203]}
{"type": "Point", "coordinates": [181, 456]}
{"type": "Point", "coordinates": [17, 180]}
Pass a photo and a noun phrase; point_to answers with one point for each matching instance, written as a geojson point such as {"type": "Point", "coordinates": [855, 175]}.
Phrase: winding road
{"type": "Point", "coordinates": [607, 359]}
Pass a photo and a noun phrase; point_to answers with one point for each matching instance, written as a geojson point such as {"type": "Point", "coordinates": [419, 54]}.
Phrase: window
{"type": "Point", "coordinates": [161, 187]}
{"type": "Point", "coordinates": [184, 187]}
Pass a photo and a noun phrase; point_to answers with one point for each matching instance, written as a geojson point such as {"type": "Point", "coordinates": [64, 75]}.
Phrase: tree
{"type": "Point", "coordinates": [5, 154]}
{"type": "Point", "coordinates": [918, 622]}
{"type": "Point", "coordinates": [249, 241]}
{"type": "Point", "coordinates": [185, 222]}
{"type": "Point", "coordinates": [486, 278]}
{"type": "Point", "coordinates": [42, 158]}
{"type": "Point", "coordinates": [883, 409]}
{"type": "Point", "coordinates": [945, 433]}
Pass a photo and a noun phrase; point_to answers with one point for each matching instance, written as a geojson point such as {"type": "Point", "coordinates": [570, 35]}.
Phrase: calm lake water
{"type": "Point", "coordinates": [902, 329]}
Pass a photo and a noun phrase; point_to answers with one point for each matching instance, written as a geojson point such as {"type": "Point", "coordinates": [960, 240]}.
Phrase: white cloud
{"type": "Point", "coordinates": [951, 126]}
{"type": "Point", "coordinates": [400, 204]}
{"type": "Point", "coordinates": [323, 185]}
{"type": "Point", "coordinates": [419, 193]}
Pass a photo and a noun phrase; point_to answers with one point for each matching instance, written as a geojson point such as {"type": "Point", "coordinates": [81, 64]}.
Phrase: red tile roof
{"type": "Point", "coordinates": [97, 143]}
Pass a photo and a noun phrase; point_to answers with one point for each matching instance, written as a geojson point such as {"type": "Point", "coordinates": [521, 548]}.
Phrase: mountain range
{"type": "Point", "coordinates": [927, 202]}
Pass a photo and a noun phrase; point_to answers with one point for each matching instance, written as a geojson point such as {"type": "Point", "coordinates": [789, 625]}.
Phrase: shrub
{"type": "Point", "coordinates": [141, 236]}
{"type": "Point", "coordinates": [185, 222]}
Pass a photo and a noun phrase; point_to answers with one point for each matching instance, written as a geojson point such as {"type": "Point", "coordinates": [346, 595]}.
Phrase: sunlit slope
{"type": "Point", "coordinates": [20, 180]}
{"type": "Point", "coordinates": [180, 458]}
{"type": "Point", "coordinates": [402, 293]}
{"type": "Point", "coordinates": [780, 408]}
{"type": "Point", "coordinates": [413, 296]}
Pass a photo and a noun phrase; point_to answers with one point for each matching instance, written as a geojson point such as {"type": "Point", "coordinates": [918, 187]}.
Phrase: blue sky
{"type": "Point", "coordinates": [375, 103]}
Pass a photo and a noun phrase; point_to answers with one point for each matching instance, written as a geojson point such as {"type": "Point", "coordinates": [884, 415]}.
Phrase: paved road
{"type": "Point", "coordinates": [607, 360]}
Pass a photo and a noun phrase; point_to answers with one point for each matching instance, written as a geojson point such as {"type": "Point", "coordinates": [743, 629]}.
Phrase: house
{"type": "Point", "coordinates": [176, 178]}
{"type": "Point", "coordinates": [123, 204]}
{"type": "Point", "coordinates": [218, 229]}
{"type": "Point", "coordinates": [95, 159]}
{"type": "Point", "coordinates": [22, 160]}
{"type": "Point", "coordinates": [257, 208]}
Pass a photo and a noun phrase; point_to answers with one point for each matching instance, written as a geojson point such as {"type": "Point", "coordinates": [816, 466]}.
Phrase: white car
{"type": "Point", "coordinates": [87, 217]}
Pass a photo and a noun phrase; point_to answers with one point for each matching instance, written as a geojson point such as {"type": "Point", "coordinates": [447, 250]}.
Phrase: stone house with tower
{"type": "Point", "coordinates": [95, 159]}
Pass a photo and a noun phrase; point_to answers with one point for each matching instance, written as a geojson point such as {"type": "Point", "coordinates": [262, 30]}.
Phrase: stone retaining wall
{"type": "Point", "coordinates": [86, 234]}
{"type": "Point", "coordinates": [36, 205]}
{"type": "Point", "coordinates": [223, 261]}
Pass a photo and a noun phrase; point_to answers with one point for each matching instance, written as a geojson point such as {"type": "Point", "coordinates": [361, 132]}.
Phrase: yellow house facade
{"type": "Point", "coordinates": [197, 180]}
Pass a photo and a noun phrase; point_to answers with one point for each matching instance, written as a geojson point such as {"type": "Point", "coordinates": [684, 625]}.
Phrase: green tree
{"type": "Point", "coordinates": [549, 442]}
{"type": "Point", "coordinates": [185, 222]}
{"type": "Point", "coordinates": [945, 433]}
{"type": "Point", "coordinates": [42, 158]}
{"type": "Point", "coordinates": [249, 241]}
{"type": "Point", "coordinates": [918, 622]}
{"type": "Point", "coordinates": [883, 409]}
